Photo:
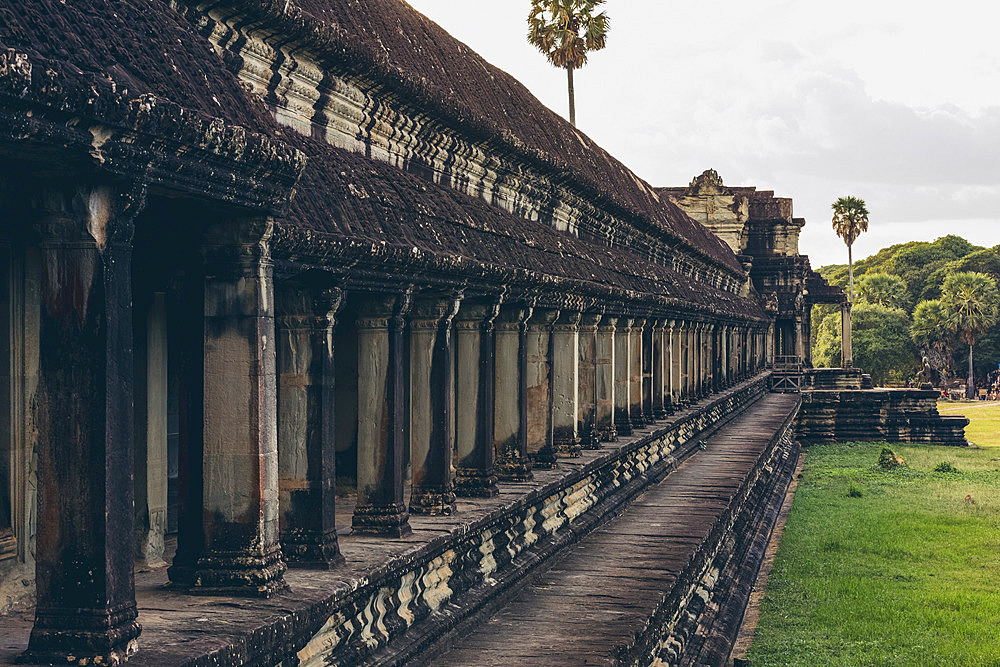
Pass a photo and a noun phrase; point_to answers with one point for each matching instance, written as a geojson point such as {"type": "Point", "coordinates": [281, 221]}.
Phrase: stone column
{"type": "Point", "coordinates": [846, 344]}
{"type": "Point", "coordinates": [84, 550]}
{"type": "Point", "coordinates": [431, 445]}
{"type": "Point", "coordinates": [590, 435]}
{"type": "Point", "coordinates": [541, 449]}
{"type": "Point", "coordinates": [565, 384]}
{"type": "Point", "coordinates": [769, 346]}
{"type": "Point", "coordinates": [692, 367]}
{"type": "Point", "coordinates": [240, 470]}
{"type": "Point", "coordinates": [510, 430]}
{"type": "Point", "coordinates": [698, 354]}
{"type": "Point", "coordinates": [623, 376]}
{"type": "Point", "coordinates": [660, 399]}
{"type": "Point", "coordinates": [475, 476]}
{"type": "Point", "coordinates": [306, 434]}
{"type": "Point", "coordinates": [636, 367]}
{"type": "Point", "coordinates": [671, 365]}
{"type": "Point", "coordinates": [187, 305]}
{"type": "Point", "coordinates": [150, 396]}
{"type": "Point", "coordinates": [606, 379]}
{"type": "Point", "coordinates": [679, 362]}
{"type": "Point", "coordinates": [381, 439]}
{"type": "Point", "coordinates": [724, 356]}
{"type": "Point", "coordinates": [709, 359]}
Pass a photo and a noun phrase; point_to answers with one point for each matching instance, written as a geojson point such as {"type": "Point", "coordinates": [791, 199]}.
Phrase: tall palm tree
{"type": "Point", "coordinates": [972, 304]}
{"type": "Point", "coordinates": [566, 31]}
{"type": "Point", "coordinates": [850, 219]}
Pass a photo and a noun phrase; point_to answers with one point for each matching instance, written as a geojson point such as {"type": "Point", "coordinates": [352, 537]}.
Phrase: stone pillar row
{"type": "Point", "coordinates": [457, 393]}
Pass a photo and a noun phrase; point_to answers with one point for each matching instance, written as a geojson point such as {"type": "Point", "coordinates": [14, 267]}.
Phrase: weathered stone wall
{"type": "Point", "coordinates": [904, 415]}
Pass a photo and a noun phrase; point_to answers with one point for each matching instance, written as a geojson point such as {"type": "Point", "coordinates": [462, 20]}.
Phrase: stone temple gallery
{"type": "Point", "coordinates": [322, 342]}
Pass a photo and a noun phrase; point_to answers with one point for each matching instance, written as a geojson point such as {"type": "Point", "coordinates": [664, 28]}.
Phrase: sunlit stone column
{"type": "Point", "coordinates": [606, 379]}
{"type": "Point", "coordinates": [510, 433]}
{"type": "Point", "coordinates": [306, 447]}
{"type": "Point", "coordinates": [671, 348]}
{"type": "Point", "coordinates": [240, 473]}
{"type": "Point", "coordinates": [636, 369]}
{"type": "Point", "coordinates": [659, 381]}
{"type": "Point", "coordinates": [474, 456]}
{"type": "Point", "coordinates": [381, 509]}
{"type": "Point", "coordinates": [590, 436]}
{"type": "Point", "coordinates": [623, 376]}
{"type": "Point", "coordinates": [565, 384]}
{"type": "Point", "coordinates": [846, 333]}
{"type": "Point", "coordinates": [431, 370]}
{"type": "Point", "coordinates": [541, 449]}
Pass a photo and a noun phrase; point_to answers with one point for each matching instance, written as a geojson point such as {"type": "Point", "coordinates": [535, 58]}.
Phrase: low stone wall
{"type": "Point", "coordinates": [897, 415]}
{"type": "Point", "coordinates": [831, 378]}
{"type": "Point", "coordinates": [698, 620]}
{"type": "Point", "coordinates": [393, 614]}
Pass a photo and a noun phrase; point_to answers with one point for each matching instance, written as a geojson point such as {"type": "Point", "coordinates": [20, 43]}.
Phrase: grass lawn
{"type": "Point", "coordinates": [887, 567]}
{"type": "Point", "coordinates": [984, 429]}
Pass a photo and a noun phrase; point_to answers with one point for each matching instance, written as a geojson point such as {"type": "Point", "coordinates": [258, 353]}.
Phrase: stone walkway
{"type": "Point", "coordinates": [600, 595]}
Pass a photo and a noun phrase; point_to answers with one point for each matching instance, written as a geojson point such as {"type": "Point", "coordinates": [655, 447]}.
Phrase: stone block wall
{"type": "Point", "coordinates": [903, 415]}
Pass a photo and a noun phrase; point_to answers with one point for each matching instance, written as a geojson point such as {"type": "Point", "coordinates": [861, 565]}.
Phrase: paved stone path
{"type": "Point", "coordinates": [601, 594]}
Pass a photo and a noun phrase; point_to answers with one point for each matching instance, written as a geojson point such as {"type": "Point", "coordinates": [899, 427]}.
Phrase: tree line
{"type": "Point", "coordinates": [919, 305]}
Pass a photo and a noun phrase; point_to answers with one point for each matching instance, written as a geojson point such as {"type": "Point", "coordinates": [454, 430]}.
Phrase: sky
{"type": "Point", "coordinates": [897, 103]}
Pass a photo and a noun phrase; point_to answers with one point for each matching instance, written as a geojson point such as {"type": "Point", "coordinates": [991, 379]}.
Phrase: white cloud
{"type": "Point", "coordinates": [884, 100]}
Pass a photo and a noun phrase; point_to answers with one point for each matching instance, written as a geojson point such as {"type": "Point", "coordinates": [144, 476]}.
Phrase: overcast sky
{"type": "Point", "coordinates": [894, 102]}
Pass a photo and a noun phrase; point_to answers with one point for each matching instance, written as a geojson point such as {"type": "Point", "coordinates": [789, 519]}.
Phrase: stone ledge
{"type": "Point", "coordinates": [700, 616]}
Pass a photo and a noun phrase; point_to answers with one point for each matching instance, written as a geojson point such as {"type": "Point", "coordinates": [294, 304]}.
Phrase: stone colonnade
{"type": "Point", "coordinates": [454, 393]}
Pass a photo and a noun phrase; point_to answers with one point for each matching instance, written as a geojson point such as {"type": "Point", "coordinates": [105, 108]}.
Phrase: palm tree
{"type": "Point", "coordinates": [972, 304]}
{"type": "Point", "coordinates": [932, 333]}
{"type": "Point", "coordinates": [883, 289]}
{"type": "Point", "coordinates": [850, 219]}
{"type": "Point", "coordinates": [566, 31]}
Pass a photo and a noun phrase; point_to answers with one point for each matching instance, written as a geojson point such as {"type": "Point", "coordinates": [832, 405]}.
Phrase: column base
{"type": "Point", "coordinates": [311, 550]}
{"type": "Point", "coordinates": [240, 573]}
{"type": "Point", "coordinates": [592, 439]}
{"type": "Point", "coordinates": [513, 471]}
{"type": "Point", "coordinates": [568, 448]}
{"type": "Point", "coordinates": [83, 636]}
{"type": "Point", "coordinates": [544, 459]}
{"type": "Point", "coordinates": [383, 520]}
{"type": "Point", "coordinates": [432, 501]}
{"type": "Point", "coordinates": [609, 434]}
{"type": "Point", "coordinates": [623, 424]}
{"type": "Point", "coordinates": [472, 483]}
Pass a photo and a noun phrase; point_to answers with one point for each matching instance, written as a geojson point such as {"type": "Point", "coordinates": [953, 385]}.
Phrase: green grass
{"type": "Point", "coordinates": [887, 567]}
{"type": "Point", "coordinates": [984, 426]}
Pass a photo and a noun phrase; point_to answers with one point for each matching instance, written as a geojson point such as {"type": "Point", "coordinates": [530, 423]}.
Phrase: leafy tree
{"type": "Point", "coordinates": [934, 336]}
{"type": "Point", "coordinates": [915, 262]}
{"type": "Point", "coordinates": [983, 260]}
{"type": "Point", "coordinates": [881, 338]}
{"type": "Point", "coordinates": [566, 31]}
{"type": "Point", "coordinates": [850, 219]}
{"type": "Point", "coordinates": [972, 304]}
{"type": "Point", "coordinates": [883, 289]}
